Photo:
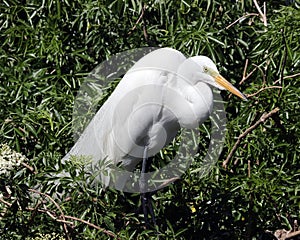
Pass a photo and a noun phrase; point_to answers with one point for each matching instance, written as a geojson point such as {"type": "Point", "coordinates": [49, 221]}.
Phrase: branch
{"type": "Point", "coordinates": [244, 134]}
{"type": "Point", "coordinates": [245, 77]}
{"type": "Point", "coordinates": [283, 234]}
{"type": "Point", "coordinates": [240, 18]}
{"type": "Point", "coordinates": [168, 181]}
{"type": "Point", "coordinates": [289, 76]}
{"type": "Point", "coordinates": [31, 169]}
{"type": "Point", "coordinates": [263, 15]}
{"type": "Point", "coordinates": [57, 206]}
{"type": "Point", "coordinates": [291, 234]}
{"type": "Point", "coordinates": [64, 217]}
{"type": "Point", "coordinates": [262, 72]}
{"type": "Point", "coordinates": [138, 21]}
{"type": "Point", "coordinates": [57, 219]}
{"type": "Point", "coordinates": [245, 69]}
{"type": "Point", "coordinates": [260, 90]}
{"type": "Point", "coordinates": [47, 196]}
{"type": "Point", "coordinates": [5, 203]}
{"type": "Point", "coordinates": [64, 221]}
{"type": "Point", "coordinates": [92, 225]}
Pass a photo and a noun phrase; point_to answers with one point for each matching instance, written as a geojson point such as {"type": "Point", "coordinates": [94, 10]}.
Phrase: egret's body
{"type": "Point", "coordinates": [162, 92]}
{"type": "Point", "coordinates": [147, 108]}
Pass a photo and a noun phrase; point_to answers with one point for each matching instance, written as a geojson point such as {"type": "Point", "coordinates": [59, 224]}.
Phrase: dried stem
{"type": "Point", "coordinates": [240, 18]}
{"type": "Point", "coordinates": [249, 168]}
{"type": "Point", "coordinates": [57, 206]}
{"type": "Point", "coordinates": [285, 77]}
{"type": "Point", "coordinates": [263, 15]}
{"type": "Point", "coordinates": [262, 72]}
{"type": "Point", "coordinates": [6, 203]}
{"type": "Point", "coordinates": [245, 77]}
{"type": "Point", "coordinates": [291, 234]}
{"type": "Point", "coordinates": [244, 134]}
{"type": "Point", "coordinates": [137, 21]}
{"type": "Point", "coordinates": [91, 225]}
{"type": "Point", "coordinates": [31, 169]}
{"type": "Point", "coordinates": [141, 18]}
{"type": "Point", "coordinates": [62, 218]}
{"type": "Point", "coordinates": [245, 68]}
{"type": "Point", "coordinates": [262, 89]}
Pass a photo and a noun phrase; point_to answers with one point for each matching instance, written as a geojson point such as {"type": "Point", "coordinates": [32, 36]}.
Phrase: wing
{"type": "Point", "coordinates": [118, 128]}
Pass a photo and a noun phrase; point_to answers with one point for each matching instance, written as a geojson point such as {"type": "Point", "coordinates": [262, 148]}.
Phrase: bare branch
{"type": "Point", "coordinates": [262, 89]}
{"type": "Point", "coordinates": [240, 18]}
{"type": "Point", "coordinates": [62, 218]}
{"type": "Point", "coordinates": [262, 72]}
{"type": "Point", "coordinates": [47, 196]}
{"type": "Point", "coordinates": [57, 219]}
{"type": "Point", "coordinates": [285, 77]}
{"type": "Point", "coordinates": [138, 21]}
{"type": "Point", "coordinates": [292, 234]}
{"type": "Point", "coordinates": [245, 68]}
{"type": "Point", "coordinates": [245, 77]}
{"type": "Point", "coordinates": [244, 134]}
{"type": "Point", "coordinates": [57, 206]}
{"type": "Point", "coordinates": [91, 225]}
{"type": "Point", "coordinates": [282, 234]}
{"type": "Point", "coordinates": [6, 203]}
{"type": "Point", "coordinates": [249, 168]}
{"type": "Point", "coordinates": [167, 182]}
{"type": "Point", "coordinates": [31, 169]}
{"type": "Point", "coordinates": [263, 15]}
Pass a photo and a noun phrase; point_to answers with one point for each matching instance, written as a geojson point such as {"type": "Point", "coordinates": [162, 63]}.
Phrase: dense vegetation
{"type": "Point", "coordinates": [49, 46]}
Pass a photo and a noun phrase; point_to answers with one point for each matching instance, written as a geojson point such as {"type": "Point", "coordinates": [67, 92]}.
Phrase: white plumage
{"type": "Point", "coordinates": [162, 92]}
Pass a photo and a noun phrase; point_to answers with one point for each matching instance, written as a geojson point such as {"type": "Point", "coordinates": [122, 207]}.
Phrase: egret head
{"type": "Point", "coordinates": [205, 70]}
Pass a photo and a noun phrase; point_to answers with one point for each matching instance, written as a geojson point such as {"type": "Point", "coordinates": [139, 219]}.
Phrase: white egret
{"type": "Point", "coordinates": [162, 92]}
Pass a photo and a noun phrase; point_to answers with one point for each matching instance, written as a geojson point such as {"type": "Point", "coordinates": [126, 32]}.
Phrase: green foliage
{"type": "Point", "coordinates": [48, 47]}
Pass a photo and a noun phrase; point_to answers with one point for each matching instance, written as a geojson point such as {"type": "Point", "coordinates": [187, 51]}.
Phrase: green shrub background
{"type": "Point", "coordinates": [49, 46]}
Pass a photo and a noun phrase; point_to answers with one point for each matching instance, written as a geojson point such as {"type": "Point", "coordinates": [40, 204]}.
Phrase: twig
{"type": "Point", "coordinates": [141, 18]}
{"type": "Point", "coordinates": [283, 234]}
{"type": "Point", "coordinates": [263, 15]}
{"type": "Point", "coordinates": [283, 63]}
{"type": "Point", "coordinates": [64, 221]}
{"type": "Point", "coordinates": [57, 219]}
{"type": "Point", "coordinates": [240, 18]}
{"type": "Point", "coordinates": [47, 196]}
{"type": "Point", "coordinates": [31, 169]}
{"type": "Point", "coordinates": [138, 21]}
{"type": "Point", "coordinates": [57, 206]}
{"type": "Point", "coordinates": [2, 213]}
{"type": "Point", "coordinates": [6, 203]}
{"type": "Point", "coordinates": [245, 68]}
{"type": "Point", "coordinates": [168, 181]}
{"type": "Point", "coordinates": [285, 77]}
{"type": "Point", "coordinates": [91, 225]}
{"type": "Point", "coordinates": [262, 72]}
{"type": "Point", "coordinates": [291, 234]}
{"type": "Point", "coordinates": [34, 212]}
{"type": "Point", "coordinates": [245, 77]}
{"type": "Point", "coordinates": [144, 25]}
{"type": "Point", "coordinates": [249, 168]}
{"type": "Point", "coordinates": [244, 134]}
{"type": "Point", "coordinates": [262, 89]}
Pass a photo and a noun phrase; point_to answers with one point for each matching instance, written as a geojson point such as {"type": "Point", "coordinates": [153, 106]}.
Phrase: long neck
{"type": "Point", "coordinates": [190, 99]}
{"type": "Point", "coordinates": [187, 70]}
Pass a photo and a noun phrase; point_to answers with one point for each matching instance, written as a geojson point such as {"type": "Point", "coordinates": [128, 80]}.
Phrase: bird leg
{"type": "Point", "coordinates": [146, 197]}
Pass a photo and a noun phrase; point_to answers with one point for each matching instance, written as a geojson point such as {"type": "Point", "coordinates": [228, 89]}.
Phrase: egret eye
{"type": "Point", "coordinates": [205, 69]}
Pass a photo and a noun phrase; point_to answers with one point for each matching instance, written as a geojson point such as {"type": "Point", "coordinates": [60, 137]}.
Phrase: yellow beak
{"type": "Point", "coordinates": [227, 85]}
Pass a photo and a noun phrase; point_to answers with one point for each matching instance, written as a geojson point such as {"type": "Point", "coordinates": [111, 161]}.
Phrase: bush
{"type": "Point", "coordinates": [48, 47]}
